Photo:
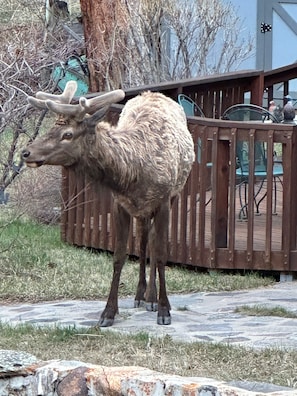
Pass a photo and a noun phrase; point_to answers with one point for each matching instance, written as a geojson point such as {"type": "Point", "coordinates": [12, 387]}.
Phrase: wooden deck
{"type": "Point", "coordinates": [260, 223]}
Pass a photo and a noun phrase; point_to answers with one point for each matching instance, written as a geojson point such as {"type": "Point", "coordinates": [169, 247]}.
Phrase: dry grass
{"type": "Point", "coordinates": [263, 310]}
{"type": "Point", "coordinates": [219, 361]}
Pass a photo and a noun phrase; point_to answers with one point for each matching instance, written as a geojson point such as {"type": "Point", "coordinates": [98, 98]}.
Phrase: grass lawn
{"type": "Point", "coordinates": [36, 266]}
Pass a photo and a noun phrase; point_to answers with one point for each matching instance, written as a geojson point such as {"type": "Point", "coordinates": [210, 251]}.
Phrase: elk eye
{"type": "Point", "coordinates": [67, 136]}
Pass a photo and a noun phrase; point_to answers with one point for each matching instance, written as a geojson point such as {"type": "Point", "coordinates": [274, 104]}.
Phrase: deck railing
{"type": "Point", "coordinates": [214, 94]}
{"type": "Point", "coordinates": [205, 228]}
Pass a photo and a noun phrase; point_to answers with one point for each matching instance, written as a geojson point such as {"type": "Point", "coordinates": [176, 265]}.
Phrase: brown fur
{"type": "Point", "coordinates": [145, 160]}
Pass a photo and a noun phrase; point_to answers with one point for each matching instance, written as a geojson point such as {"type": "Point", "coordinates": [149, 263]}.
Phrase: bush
{"type": "Point", "coordinates": [37, 193]}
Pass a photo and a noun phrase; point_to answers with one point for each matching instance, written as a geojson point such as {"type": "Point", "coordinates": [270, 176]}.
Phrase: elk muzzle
{"type": "Point", "coordinates": [29, 162]}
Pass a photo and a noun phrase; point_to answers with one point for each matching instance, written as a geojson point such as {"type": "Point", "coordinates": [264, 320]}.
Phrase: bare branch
{"type": "Point", "coordinates": [26, 63]}
{"type": "Point", "coordinates": [168, 40]}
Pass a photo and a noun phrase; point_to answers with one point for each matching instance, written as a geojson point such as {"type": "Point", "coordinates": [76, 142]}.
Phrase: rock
{"type": "Point", "coordinates": [16, 363]}
{"type": "Point", "coordinates": [23, 375]}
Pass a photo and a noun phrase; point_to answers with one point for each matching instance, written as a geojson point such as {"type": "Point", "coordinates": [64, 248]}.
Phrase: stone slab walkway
{"type": "Point", "coordinates": [208, 317]}
{"type": "Point", "coordinates": [195, 317]}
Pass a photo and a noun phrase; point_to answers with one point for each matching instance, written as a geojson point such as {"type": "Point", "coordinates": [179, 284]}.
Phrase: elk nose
{"type": "Point", "coordinates": [25, 154]}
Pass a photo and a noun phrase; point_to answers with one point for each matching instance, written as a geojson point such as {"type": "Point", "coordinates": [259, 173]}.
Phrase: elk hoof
{"type": "Point", "coordinates": [151, 306]}
{"type": "Point", "coordinates": [164, 317]}
{"type": "Point", "coordinates": [139, 303]}
{"type": "Point", "coordinates": [164, 320]}
{"type": "Point", "coordinates": [105, 322]}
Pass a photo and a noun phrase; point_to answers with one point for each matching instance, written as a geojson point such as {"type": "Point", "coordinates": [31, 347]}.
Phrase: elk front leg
{"type": "Point", "coordinates": [122, 223]}
{"type": "Point", "coordinates": [142, 232]}
{"type": "Point", "coordinates": [158, 257]}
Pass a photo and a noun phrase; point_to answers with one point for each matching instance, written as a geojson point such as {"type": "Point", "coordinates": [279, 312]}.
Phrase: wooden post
{"type": "Point", "coordinates": [222, 184]}
{"type": "Point", "coordinates": [257, 90]}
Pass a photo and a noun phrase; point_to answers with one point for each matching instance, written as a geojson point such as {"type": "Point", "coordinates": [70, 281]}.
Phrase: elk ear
{"type": "Point", "coordinates": [97, 116]}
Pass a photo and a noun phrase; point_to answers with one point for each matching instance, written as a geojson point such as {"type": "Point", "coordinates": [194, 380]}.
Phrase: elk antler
{"type": "Point", "coordinates": [106, 99]}
{"type": "Point", "coordinates": [60, 104]}
{"type": "Point", "coordinates": [65, 97]}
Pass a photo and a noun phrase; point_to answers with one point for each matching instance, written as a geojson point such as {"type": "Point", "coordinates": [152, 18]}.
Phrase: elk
{"type": "Point", "coordinates": [145, 160]}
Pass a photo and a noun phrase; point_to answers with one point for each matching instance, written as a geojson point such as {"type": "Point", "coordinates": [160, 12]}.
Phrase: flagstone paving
{"type": "Point", "coordinates": [206, 317]}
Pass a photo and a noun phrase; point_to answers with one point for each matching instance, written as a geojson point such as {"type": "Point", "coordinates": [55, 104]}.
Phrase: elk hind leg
{"type": "Point", "coordinates": [161, 250]}
{"type": "Point", "coordinates": [142, 232]}
{"type": "Point", "coordinates": [151, 296]}
{"type": "Point", "coordinates": [158, 260]}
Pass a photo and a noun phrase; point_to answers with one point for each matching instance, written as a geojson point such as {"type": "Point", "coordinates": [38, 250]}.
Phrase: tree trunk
{"type": "Point", "coordinates": [102, 20]}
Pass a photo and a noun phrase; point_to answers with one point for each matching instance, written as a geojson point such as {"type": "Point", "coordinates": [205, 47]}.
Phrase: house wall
{"type": "Point", "coordinates": [274, 47]}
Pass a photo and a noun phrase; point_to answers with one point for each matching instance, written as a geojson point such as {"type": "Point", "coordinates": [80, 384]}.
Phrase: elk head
{"type": "Point", "coordinates": [62, 144]}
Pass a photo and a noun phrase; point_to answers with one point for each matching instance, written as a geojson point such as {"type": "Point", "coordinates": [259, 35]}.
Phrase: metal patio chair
{"type": "Point", "coordinates": [192, 109]}
{"type": "Point", "coordinates": [248, 112]}
{"type": "Point", "coordinates": [251, 113]}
